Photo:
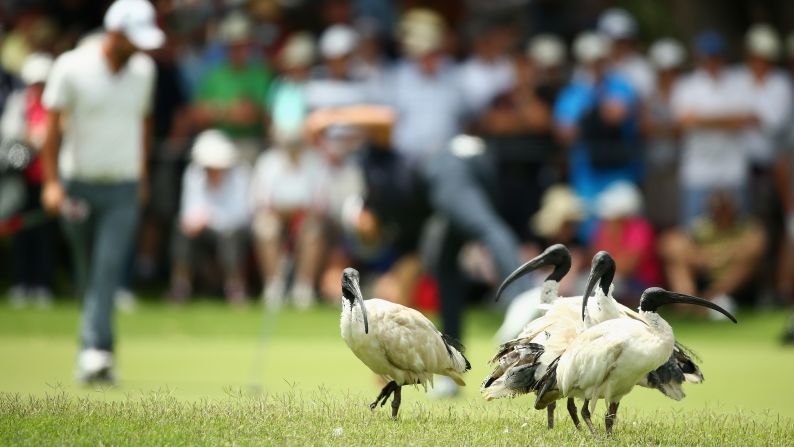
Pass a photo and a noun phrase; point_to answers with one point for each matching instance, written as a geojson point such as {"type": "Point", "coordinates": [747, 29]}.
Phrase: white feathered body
{"type": "Point", "coordinates": [402, 344]}
{"type": "Point", "coordinates": [605, 361]}
{"type": "Point", "coordinates": [526, 308]}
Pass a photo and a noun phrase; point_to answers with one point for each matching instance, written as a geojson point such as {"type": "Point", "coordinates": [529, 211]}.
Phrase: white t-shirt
{"type": "Point", "coordinates": [104, 111]}
{"type": "Point", "coordinates": [712, 157]}
{"type": "Point", "coordinates": [224, 205]}
{"type": "Point", "coordinates": [281, 184]}
{"type": "Point", "coordinates": [771, 103]}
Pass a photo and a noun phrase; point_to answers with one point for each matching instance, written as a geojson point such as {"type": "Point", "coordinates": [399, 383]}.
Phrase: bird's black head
{"type": "Point", "coordinates": [602, 273]}
{"type": "Point", "coordinates": [655, 297]}
{"type": "Point", "coordinates": [557, 256]}
{"type": "Point", "coordinates": [351, 291]}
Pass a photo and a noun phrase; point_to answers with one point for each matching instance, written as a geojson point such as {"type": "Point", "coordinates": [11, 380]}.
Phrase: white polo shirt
{"type": "Point", "coordinates": [771, 103]}
{"type": "Point", "coordinates": [104, 113]}
{"type": "Point", "coordinates": [712, 157]}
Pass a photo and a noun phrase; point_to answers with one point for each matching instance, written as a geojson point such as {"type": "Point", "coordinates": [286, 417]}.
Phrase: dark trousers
{"type": "Point", "coordinates": [458, 189]}
{"type": "Point", "coordinates": [100, 244]}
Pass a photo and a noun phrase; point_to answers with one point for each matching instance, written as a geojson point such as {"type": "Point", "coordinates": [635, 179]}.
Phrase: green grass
{"type": "Point", "coordinates": [186, 376]}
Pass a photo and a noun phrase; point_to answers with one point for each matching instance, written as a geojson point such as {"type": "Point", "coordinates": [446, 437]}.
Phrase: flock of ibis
{"type": "Point", "coordinates": [587, 347]}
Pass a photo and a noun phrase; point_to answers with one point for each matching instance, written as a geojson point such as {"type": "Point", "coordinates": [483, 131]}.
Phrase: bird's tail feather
{"type": "Point", "coordinates": [455, 349]}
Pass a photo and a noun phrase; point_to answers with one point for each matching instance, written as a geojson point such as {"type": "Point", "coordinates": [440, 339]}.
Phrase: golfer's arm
{"type": "Point", "coordinates": [51, 146]}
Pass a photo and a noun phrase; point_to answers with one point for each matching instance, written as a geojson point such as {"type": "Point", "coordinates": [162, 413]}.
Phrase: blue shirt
{"type": "Point", "coordinates": [574, 103]}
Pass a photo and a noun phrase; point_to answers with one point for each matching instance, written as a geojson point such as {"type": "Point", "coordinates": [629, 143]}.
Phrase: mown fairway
{"type": "Point", "coordinates": [189, 376]}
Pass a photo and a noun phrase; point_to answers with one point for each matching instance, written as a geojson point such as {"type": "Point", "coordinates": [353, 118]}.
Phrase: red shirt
{"type": "Point", "coordinates": [634, 237]}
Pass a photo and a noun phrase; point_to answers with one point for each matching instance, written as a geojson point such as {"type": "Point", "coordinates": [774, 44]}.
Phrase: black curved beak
{"type": "Point", "coordinates": [556, 255]}
{"type": "Point", "coordinates": [359, 299]}
{"type": "Point", "coordinates": [602, 270]}
{"type": "Point", "coordinates": [655, 297]}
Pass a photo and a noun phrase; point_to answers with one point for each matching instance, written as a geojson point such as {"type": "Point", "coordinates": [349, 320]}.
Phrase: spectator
{"type": "Point", "coordinates": [597, 114]}
{"type": "Point", "coordinates": [712, 110]}
{"type": "Point", "coordinates": [382, 219]}
{"type": "Point", "coordinates": [518, 126]}
{"type": "Point", "coordinates": [333, 85]}
{"type": "Point", "coordinates": [621, 28]}
{"type": "Point", "coordinates": [769, 92]}
{"type": "Point", "coordinates": [231, 95]}
{"type": "Point", "coordinates": [662, 136]}
{"type": "Point", "coordinates": [213, 215]}
{"type": "Point", "coordinates": [629, 238]}
{"type": "Point", "coordinates": [286, 101]}
{"type": "Point", "coordinates": [424, 89]}
{"type": "Point", "coordinates": [105, 88]}
{"type": "Point", "coordinates": [719, 257]}
{"type": "Point", "coordinates": [171, 127]}
{"type": "Point", "coordinates": [25, 120]}
{"type": "Point", "coordinates": [286, 188]}
{"type": "Point", "coordinates": [489, 71]}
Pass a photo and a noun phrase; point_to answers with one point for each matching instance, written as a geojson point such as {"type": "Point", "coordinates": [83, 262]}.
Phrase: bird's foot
{"type": "Point", "coordinates": [384, 395]}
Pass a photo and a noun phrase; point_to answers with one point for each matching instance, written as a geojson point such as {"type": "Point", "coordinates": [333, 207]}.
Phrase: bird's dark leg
{"type": "Point", "coordinates": [550, 414]}
{"type": "Point", "coordinates": [612, 413]}
{"type": "Point", "coordinates": [572, 412]}
{"type": "Point", "coordinates": [384, 395]}
{"type": "Point", "coordinates": [395, 403]}
{"type": "Point", "coordinates": [586, 416]}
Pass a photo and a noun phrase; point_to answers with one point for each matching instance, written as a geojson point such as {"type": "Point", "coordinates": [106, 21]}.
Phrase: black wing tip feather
{"type": "Point", "coordinates": [547, 382]}
{"type": "Point", "coordinates": [450, 343]}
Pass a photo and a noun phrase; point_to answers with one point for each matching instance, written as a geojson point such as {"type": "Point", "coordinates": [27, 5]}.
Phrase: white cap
{"type": "Point", "coordinates": [298, 51]}
{"type": "Point", "coordinates": [546, 50]}
{"type": "Point", "coordinates": [761, 40]}
{"type": "Point", "coordinates": [590, 47]}
{"type": "Point", "coordinates": [338, 41]}
{"type": "Point", "coordinates": [213, 149]}
{"type": "Point", "coordinates": [136, 19]}
{"type": "Point", "coordinates": [421, 32]}
{"type": "Point", "coordinates": [616, 23]}
{"type": "Point", "coordinates": [666, 54]}
{"type": "Point", "coordinates": [36, 68]}
{"type": "Point", "coordinates": [621, 199]}
{"type": "Point", "coordinates": [558, 206]}
{"type": "Point", "coordinates": [235, 28]}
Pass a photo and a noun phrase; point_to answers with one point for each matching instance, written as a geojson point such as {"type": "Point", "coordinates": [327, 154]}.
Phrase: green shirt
{"type": "Point", "coordinates": [224, 84]}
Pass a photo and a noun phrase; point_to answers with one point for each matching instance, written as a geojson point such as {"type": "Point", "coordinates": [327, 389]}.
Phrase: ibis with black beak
{"type": "Point", "coordinates": [606, 360]}
{"type": "Point", "coordinates": [396, 342]}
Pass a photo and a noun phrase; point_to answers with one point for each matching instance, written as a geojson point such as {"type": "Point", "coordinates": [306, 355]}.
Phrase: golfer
{"type": "Point", "coordinates": [98, 132]}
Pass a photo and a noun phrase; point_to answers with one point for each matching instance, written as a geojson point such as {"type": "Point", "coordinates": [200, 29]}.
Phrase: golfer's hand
{"type": "Point", "coordinates": [53, 197]}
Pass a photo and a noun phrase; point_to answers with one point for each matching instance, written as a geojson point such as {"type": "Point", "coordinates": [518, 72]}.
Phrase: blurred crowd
{"type": "Point", "coordinates": [432, 149]}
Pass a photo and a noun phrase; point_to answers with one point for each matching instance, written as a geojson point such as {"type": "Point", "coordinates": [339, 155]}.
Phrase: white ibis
{"type": "Point", "coordinates": [523, 361]}
{"type": "Point", "coordinates": [397, 343]}
{"type": "Point", "coordinates": [547, 337]}
{"type": "Point", "coordinates": [605, 361]}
